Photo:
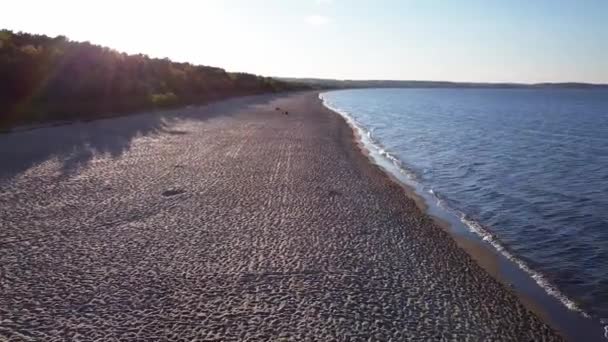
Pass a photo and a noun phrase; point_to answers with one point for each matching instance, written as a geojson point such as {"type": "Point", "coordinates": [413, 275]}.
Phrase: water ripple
{"type": "Point", "coordinates": [531, 166]}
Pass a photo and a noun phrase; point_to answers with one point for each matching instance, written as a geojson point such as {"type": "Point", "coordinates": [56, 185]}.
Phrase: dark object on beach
{"type": "Point", "coordinates": [277, 108]}
{"type": "Point", "coordinates": [173, 192]}
{"type": "Point", "coordinates": [333, 193]}
{"type": "Point", "coordinates": [286, 113]}
{"type": "Point", "coordinates": [176, 132]}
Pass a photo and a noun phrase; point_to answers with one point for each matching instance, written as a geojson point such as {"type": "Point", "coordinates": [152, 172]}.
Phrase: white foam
{"type": "Point", "coordinates": [472, 225]}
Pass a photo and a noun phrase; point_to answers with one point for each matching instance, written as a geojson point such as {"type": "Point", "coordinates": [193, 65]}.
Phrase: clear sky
{"type": "Point", "coordinates": [457, 40]}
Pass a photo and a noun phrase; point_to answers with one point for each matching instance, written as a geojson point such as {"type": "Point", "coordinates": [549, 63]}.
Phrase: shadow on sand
{"type": "Point", "coordinates": [75, 144]}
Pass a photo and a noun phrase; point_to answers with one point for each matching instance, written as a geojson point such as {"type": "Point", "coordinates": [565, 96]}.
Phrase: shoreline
{"type": "Point", "coordinates": [569, 321]}
{"type": "Point", "coordinates": [234, 221]}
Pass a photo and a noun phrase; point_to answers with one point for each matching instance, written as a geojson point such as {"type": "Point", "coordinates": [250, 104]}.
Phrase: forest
{"type": "Point", "coordinates": [325, 83]}
{"type": "Point", "coordinates": [54, 79]}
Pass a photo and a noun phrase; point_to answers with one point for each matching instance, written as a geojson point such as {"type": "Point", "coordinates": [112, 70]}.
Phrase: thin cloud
{"type": "Point", "coordinates": [317, 20]}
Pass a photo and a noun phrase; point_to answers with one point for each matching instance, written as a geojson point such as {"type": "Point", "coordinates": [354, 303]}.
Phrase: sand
{"type": "Point", "coordinates": [229, 222]}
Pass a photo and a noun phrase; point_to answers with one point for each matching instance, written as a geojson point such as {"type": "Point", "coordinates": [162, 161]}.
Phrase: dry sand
{"type": "Point", "coordinates": [230, 222]}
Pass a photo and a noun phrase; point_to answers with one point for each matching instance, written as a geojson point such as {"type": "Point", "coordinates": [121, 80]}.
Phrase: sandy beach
{"type": "Point", "coordinates": [230, 222]}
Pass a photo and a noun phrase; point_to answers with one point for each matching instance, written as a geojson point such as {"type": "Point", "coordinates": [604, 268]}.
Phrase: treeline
{"type": "Point", "coordinates": [44, 78]}
{"type": "Point", "coordinates": [319, 83]}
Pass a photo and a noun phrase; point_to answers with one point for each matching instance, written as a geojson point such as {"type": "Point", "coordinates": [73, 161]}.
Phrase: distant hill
{"type": "Point", "coordinates": [45, 78]}
{"type": "Point", "coordinates": [320, 83]}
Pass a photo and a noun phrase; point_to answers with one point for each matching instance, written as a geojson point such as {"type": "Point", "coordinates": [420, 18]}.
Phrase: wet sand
{"type": "Point", "coordinates": [229, 222]}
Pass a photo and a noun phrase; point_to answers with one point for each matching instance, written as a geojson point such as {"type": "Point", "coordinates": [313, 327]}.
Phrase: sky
{"type": "Point", "coordinates": [466, 40]}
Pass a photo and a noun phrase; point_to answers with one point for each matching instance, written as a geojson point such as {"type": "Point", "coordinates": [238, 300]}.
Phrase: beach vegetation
{"type": "Point", "coordinates": [45, 78]}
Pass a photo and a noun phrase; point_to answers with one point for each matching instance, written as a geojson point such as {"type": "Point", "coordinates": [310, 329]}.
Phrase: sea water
{"type": "Point", "coordinates": [526, 167]}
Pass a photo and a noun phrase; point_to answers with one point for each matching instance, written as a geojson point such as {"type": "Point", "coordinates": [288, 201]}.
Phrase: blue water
{"type": "Point", "coordinates": [529, 165]}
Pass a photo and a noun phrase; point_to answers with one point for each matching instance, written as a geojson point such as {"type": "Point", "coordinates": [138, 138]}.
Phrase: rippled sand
{"type": "Point", "coordinates": [230, 222]}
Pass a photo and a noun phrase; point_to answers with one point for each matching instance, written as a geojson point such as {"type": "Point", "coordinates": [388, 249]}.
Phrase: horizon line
{"type": "Point", "coordinates": [516, 83]}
